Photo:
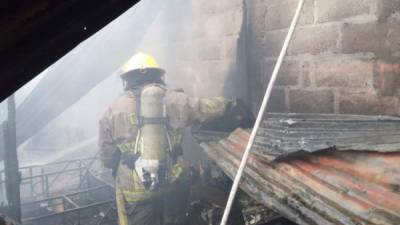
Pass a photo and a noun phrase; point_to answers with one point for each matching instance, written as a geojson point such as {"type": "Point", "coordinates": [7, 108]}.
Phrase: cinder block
{"type": "Point", "coordinates": [208, 84]}
{"type": "Point", "coordinates": [273, 43]}
{"type": "Point", "coordinates": [255, 86]}
{"type": "Point", "coordinates": [210, 49]}
{"type": "Point", "coordinates": [193, 30]}
{"type": "Point", "coordinates": [362, 37]}
{"type": "Point", "coordinates": [333, 10]}
{"type": "Point", "coordinates": [288, 75]}
{"type": "Point", "coordinates": [280, 15]}
{"type": "Point", "coordinates": [305, 76]}
{"type": "Point", "coordinates": [309, 101]}
{"type": "Point", "coordinates": [255, 49]}
{"type": "Point", "coordinates": [314, 40]}
{"type": "Point", "coordinates": [367, 104]}
{"type": "Point", "coordinates": [230, 4]}
{"type": "Point", "coordinates": [277, 101]}
{"type": "Point", "coordinates": [256, 17]}
{"type": "Point", "coordinates": [254, 67]}
{"type": "Point", "coordinates": [344, 73]}
{"type": "Point", "coordinates": [212, 25]}
{"type": "Point", "coordinates": [256, 96]}
{"type": "Point", "coordinates": [189, 51]}
{"type": "Point", "coordinates": [387, 79]}
{"type": "Point", "coordinates": [230, 47]}
{"type": "Point", "coordinates": [394, 32]}
{"type": "Point", "coordinates": [386, 8]}
{"type": "Point", "coordinates": [231, 22]}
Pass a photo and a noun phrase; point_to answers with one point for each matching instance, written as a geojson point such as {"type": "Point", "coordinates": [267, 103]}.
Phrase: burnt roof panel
{"type": "Point", "coordinates": [286, 134]}
{"type": "Point", "coordinates": [325, 187]}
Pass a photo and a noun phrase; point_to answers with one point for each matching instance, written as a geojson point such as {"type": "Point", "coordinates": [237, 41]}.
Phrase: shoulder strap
{"type": "Point", "coordinates": [137, 93]}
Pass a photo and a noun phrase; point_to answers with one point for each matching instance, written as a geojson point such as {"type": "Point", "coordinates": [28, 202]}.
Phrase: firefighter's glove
{"type": "Point", "coordinates": [239, 115]}
{"type": "Point", "coordinates": [128, 159]}
{"type": "Point", "coordinates": [236, 115]}
{"type": "Point", "coordinates": [115, 163]}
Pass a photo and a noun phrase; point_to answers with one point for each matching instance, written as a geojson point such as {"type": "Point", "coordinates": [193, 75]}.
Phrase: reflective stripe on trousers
{"type": "Point", "coordinates": [122, 216]}
{"type": "Point", "coordinates": [139, 193]}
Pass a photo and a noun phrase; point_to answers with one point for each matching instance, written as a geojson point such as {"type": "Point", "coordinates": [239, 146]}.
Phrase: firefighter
{"type": "Point", "coordinates": [140, 138]}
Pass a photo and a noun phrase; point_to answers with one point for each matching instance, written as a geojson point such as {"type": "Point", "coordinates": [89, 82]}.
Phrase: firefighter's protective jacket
{"type": "Point", "coordinates": [118, 130]}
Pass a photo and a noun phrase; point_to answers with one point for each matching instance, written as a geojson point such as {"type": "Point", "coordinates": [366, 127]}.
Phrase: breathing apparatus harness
{"type": "Point", "coordinates": [151, 156]}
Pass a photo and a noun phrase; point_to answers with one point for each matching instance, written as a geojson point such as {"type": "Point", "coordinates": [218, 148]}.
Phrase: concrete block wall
{"type": "Point", "coordinates": [199, 44]}
{"type": "Point", "coordinates": [344, 58]}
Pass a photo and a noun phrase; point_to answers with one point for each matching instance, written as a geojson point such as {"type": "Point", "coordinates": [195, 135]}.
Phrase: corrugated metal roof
{"type": "Point", "coordinates": [285, 134]}
{"type": "Point", "coordinates": [325, 187]}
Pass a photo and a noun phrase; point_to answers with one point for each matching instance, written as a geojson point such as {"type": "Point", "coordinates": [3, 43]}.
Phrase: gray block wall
{"type": "Point", "coordinates": [344, 58]}
{"type": "Point", "coordinates": [198, 42]}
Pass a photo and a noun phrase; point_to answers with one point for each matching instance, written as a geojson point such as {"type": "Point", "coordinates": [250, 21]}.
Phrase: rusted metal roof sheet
{"type": "Point", "coordinates": [325, 187]}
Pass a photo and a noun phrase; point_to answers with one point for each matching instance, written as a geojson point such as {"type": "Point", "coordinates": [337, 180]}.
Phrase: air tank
{"type": "Point", "coordinates": [154, 142]}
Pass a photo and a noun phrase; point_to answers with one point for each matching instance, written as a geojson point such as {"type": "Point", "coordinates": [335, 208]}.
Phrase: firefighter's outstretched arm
{"type": "Point", "coordinates": [236, 114]}
{"type": "Point", "coordinates": [224, 113]}
{"type": "Point", "coordinates": [185, 110]}
{"type": "Point", "coordinates": [202, 110]}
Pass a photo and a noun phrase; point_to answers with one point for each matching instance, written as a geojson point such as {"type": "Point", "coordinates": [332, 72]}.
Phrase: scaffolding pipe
{"type": "Point", "coordinates": [11, 169]}
{"type": "Point", "coordinates": [264, 104]}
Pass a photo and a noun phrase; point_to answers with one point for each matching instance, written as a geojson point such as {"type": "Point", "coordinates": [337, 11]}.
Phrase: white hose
{"type": "Point", "coordinates": [267, 95]}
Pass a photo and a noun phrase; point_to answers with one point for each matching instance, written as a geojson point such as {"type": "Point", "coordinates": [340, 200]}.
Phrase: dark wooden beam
{"type": "Point", "coordinates": [35, 34]}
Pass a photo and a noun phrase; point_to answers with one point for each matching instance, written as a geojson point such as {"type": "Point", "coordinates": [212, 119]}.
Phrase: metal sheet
{"type": "Point", "coordinates": [285, 134]}
{"type": "Point", "coordinates": [326, 187]}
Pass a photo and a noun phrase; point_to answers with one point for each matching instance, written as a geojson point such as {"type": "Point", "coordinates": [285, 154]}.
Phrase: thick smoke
{"type": "Point", "coordinates": [63, 110]}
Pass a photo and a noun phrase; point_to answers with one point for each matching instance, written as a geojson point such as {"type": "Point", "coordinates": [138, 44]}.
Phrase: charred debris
{"type": "Point", "coordinates": [317, 168]}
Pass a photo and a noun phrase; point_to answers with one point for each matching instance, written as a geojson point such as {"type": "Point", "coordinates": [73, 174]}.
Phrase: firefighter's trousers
{"type": "Point", "coordinates": [169, 209]}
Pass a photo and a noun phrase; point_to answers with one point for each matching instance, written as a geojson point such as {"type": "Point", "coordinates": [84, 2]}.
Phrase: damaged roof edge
{"type": "Point", "coordinates": [324, 187]}
{"type": "Point", "coordinates": [285, 134]}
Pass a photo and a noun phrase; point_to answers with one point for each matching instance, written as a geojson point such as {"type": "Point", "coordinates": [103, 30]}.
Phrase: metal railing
{"type": "Point", "coordinates": [40, 181]}
{"type": "Point", "coordinates": [92, 206]}
{"type": "Point", "coordinates": [65, 193]}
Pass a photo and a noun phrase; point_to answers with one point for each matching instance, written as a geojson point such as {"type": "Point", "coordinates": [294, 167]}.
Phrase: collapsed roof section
{"type": "Point", "coordinates": [286, 134]}
{"type": "Point", "coordinates": [334, 186]}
